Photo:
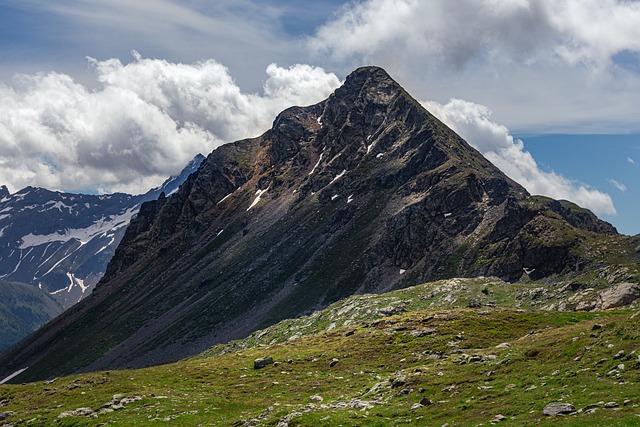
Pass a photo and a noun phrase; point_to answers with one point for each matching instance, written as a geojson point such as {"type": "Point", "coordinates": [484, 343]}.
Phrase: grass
{"type": "Point", "coordinates": [386, 364]}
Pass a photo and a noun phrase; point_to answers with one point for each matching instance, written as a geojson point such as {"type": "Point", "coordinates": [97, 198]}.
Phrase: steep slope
{"type": "Point", "coordinates": [365, 191]}
{"type": "Point", "coordinates": [24, 308]}
{"type": "Point", "coordinates": [62, 242]}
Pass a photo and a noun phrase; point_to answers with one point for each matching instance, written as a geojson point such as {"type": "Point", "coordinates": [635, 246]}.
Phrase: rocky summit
{"type": "Point", "coordinates": [363, 192]}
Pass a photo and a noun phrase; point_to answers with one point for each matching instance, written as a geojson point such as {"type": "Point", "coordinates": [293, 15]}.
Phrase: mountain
{"type": "Point", "coordinates": [23, 309]}
{"type": "Point", "coordinates": [54, 247]}
{"type": "Point", "coordinates": [363, 192]}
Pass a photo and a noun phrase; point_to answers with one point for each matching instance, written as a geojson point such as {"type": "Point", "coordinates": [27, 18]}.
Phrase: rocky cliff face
{"type": "Point", "coordinates": [363, 192]}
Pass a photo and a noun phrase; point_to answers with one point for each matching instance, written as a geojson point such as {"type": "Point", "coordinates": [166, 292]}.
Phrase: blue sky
{"type": "Point", "coordinates": [114, 95]}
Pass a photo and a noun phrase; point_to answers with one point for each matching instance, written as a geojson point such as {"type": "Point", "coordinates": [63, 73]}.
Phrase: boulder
{"type": "Point", "coordinates": [261, 362]}
{"type": "Point", "coordinates": [620, 295]}
{"type": "Point", "coordinates": [558, 408]}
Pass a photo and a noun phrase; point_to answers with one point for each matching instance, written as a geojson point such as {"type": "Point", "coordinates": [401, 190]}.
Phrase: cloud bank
{"type": "Point", "coordinates": [473, 122]}
{"type": "Point", "coordinates": [565, 66]}
{"type": "Point", "coordinates": [145, 120]}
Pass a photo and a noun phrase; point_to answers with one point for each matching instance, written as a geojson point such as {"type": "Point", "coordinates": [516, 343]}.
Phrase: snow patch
{"type": "Point", "coordinates": [350, 199]}
{"type": "Point", "coordinates": [259, 194]}
{"type": "Point", "coordinates": [105, 246]}
{"type": "Point", "coordinates": [402, 271]}
{"type": "Point", "coordinates": [447, 215]}
{"type": "Point", "coordinates": [224, 198]}
{"type": "Point", "coordinates": [379, 155]}
{"type": "Point", "coordinates": [335, 196]}
{"type": "Point", "coordinates": [319, 160]}
{"type": "Point", "coordinates": [219, 232]}
{"type": "Point", "coordinates": [15, 374]}
{"type": "Point", "coordinates": [528, 271]}
{"type": "Point", "coordinates": [340, 175]}
{"type": "Point", "coordinates": [59, 205]}
{"type": "Point", "coordinates": [4, 216]}
{"type": "Point", "coordinates": [83, 235]}
{"type": "Point", "coordinates": [2, 230]}
{"type": "Point", "coordinates": [320, 120]}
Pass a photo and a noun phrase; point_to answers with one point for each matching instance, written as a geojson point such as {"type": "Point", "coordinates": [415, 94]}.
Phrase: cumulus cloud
{"type": "Point", "coordinates": [473, 122]}
{"type": "Point", "coordinates": [462, 31]}
{"type": "Point", "coordinates": [143, 122]}
{"type": "Point", "coordinates": [542, 65]}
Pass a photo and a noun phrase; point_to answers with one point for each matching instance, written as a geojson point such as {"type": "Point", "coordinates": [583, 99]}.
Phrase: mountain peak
{"type": "Point", "coordinates": [4, 192]}
{"type": "Point", "coordinates": [363, 192]}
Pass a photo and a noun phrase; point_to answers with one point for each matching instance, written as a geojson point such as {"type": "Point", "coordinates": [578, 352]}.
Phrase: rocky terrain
{"type": "Point", "coordinates": [486, 355]}
{"type": "Point", "coordinates": [363, 192]}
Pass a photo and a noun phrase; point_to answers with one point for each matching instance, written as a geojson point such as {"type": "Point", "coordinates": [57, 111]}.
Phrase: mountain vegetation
{"type": "Point", "coordinates": [408, 357]}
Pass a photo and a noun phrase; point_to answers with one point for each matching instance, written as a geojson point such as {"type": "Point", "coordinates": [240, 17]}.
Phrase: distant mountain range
{"type": "Point", "coordinates": [60, 243]}
{"type": "Point", "coordinates": [363, 192]}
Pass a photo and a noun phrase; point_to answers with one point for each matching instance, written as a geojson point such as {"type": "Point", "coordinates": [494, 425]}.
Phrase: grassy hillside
{"type": "Point", "coordinates": [370, 361]}
{"type": "Point", "coordinates": [23, 308]}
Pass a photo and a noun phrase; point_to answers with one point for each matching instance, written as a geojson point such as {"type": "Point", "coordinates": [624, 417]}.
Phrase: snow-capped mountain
{"type": "Point", "coordinates": [62, 242]}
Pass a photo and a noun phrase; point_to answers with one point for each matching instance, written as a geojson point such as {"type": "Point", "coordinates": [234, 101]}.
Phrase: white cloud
{"type": "Point", "coordinates": [465, 30]}
{"type": "Point", "coordinates": [620, 186]}
{"type": "Point", "coordinates": [631, 161]}
{"type": "Point", "coordinates": [542, 65]}
{"type": "Point", "coordinates": [473, 122]}
{"type": "Point", "coordinates": [144, 122]}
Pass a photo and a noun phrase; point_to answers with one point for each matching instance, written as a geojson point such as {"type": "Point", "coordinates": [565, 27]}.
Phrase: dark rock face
{"type": "Point", "coordinates": [366, 191]}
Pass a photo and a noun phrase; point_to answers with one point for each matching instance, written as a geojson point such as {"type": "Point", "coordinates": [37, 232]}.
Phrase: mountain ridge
{"type": "Point", "coordinates": [363, 192]}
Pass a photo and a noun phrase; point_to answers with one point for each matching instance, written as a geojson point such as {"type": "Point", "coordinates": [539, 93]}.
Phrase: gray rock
{"type": "Point", "coordinates": [619, 355]}
{"type": "Point", "coordinates": [398, 381]}
{"type": "Point", "coordinates": [5, 415]}
{"type": "Point", "coordinates": [316, 399]}
{"type": "Point", "coordinates": [498, 418]}
{"type": "Point", "coordinates": [333, 362]}
{"type": "Point", "coordinates": [558, 408]}
{"type": "Point", "coordinates": [620, 295]}
{"type": "Point", "coordinates": [261, 362]}
{"type": "Point", "coordinates": [80, 412]}
{"type": "Point", "coordinates": [610, 405]}
{"type": "Point", "coordinates": [416, 406]}
{"type": "Point", "coordinates": [503, 345]}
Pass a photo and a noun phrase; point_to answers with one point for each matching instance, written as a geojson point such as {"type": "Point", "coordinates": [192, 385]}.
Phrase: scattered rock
{"type": "Point", "coordinates": [619, 355]}
{"type": "Point", "coordinates": [80, 412]}
{"type": "Point", "coordinates": [316, 399]}
{"type": "Point", "coordinates": [610, 405]}
{"type": "Point", "coordinates": [498, 418]}
{"type": "Point", "coordinates": [398, 381]}
{"type": "Point", "coordinates": [558, 408]}
{"type": "Point", "coordinates": [5, 415]}
{"type": "Point", "coordinates": [503, 345]}
{"type": "Point", "coordinates": [261, 362]}
{"type": "Point", "coordinates": [425, 401]}
{"type": "Point", "coordinates": [423, 332]}
{"type": "Point", "coordinates": [416, 406]}
{"type": "Point", "coordinates": [596, 327]}
{"type": "Point", "coordinates": [394, 308]}
{"type": "Point", "coordinates": [593, 406]}
{"type": "Point", "coordinates": [333, 362]}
